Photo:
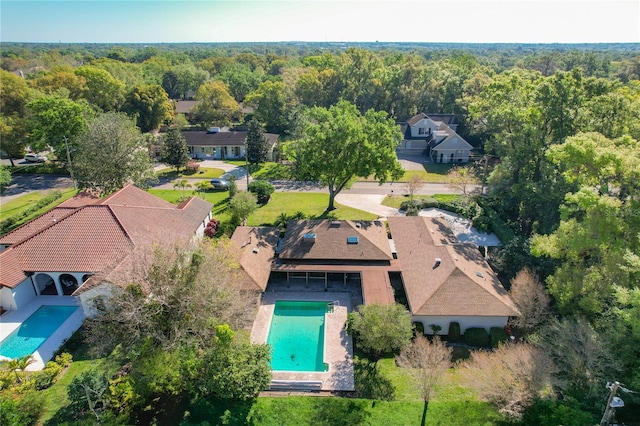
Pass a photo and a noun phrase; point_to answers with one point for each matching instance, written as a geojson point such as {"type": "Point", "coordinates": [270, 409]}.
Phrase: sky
{"type": "Point", "coordinates": [457, 21]}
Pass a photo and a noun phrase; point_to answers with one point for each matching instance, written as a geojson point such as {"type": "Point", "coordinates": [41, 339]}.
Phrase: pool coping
{"type": "Point", "coordinates": [338, 346]}
{"type": "Point", "coordinates": [11, 320]}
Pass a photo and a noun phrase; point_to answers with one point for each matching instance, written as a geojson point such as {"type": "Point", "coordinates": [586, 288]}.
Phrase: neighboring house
{"type": "Point", "coordinates": [223, 145]}
{"type": "Point", "coordinates": [435, 134]}
{"type": "Point", "coordinates": [444, 280]}
{"type": "Point", "coordinates": [75, 248]}
{"type": "Point", "coordinates": [185, 107]}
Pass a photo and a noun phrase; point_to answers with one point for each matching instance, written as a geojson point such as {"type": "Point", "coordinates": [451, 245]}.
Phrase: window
{"type": "Point", "coordinates": [421, 131]}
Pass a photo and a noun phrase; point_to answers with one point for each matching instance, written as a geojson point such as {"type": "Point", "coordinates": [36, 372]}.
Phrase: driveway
{"type": "Point", "coordinates": [412, 161]}
{"type": "Point", "coordinates": [24, 183]}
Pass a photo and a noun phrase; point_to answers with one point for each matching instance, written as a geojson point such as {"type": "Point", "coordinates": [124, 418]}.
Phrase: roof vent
{"type": "Point", "coordinates": [478, 273]}
{"type": "Point", "coordinates": [309, 237]}
{"type": "Point", "coordinates": [358, 225]}
{"type": "Point", "coordinates": [335, 223]}
{"type": "Point", "coordinates": [438, 262]}
{"type": "Point", "coordinates": [352, 240]}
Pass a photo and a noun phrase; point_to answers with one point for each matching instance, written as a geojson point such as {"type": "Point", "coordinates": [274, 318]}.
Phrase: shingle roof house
{"type": "Point", "coordinates": [59, 252]}
{"type": "Point", "coordinates": [221, 145]}
{"type": "Point", "coordinates": [436, 134]}
{"type": "Point", "coordinates": [444, 280]}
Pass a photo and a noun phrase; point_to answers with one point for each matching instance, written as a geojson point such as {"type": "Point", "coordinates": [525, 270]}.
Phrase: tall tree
{"type": "Point", "coordinates": [112, 153]}
{"type": "Point", "coordinates": [531, 299]}
{"type": "Point", "coordinates": [242, 205]}
{"type": "Point", "coordinates": [380, 329]}
{"type": "Point", "coordinates": [257, 143]}
{"type": "Point", "coordinates": [102, 89]}
{"type": "Point", "coordinates": [426, 362]}
{"type": "Point", "coordinates": [150, 105]}
{"type": "Point", "coordinates": [14, 96]}
{"type": "Point", "coordinates": [56, 122]}
{"type": "Point", "coordinates": [340, 144]}
{"type": "Point", "coordinates": [215, 106]}
{"type": "Point", "coordinates": [174, 148]}
{"type": "Point", "coordinates": [271, 102]}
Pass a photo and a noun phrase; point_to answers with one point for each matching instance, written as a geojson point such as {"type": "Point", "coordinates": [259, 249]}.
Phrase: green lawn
{"type": "Point", "coordinates": [22, 203]}
{"type": "Point", "coordinates": [313, 205]}
{"type": "Point", "coordinates": [202, 173]}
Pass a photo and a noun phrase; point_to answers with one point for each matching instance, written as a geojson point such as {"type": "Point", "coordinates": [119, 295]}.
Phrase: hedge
{"type": "Point", "coordinates": [476, 336]}
{"type": "Point", "coordinates": [454, 331]}
{"type": "Point", "coordinates": [498, 335]}
{"type": "Point", "coordinates": [9, 223]}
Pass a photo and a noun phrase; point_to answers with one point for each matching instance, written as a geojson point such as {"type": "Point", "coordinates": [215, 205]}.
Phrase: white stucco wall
{"type": "Point", "coordinates": [464, 321]}
{"type": "Point", "coordinates": [13, 299]}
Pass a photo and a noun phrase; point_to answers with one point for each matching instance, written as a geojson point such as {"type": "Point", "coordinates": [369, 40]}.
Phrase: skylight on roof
{"type": "Point", "coordinates": [352, 240]}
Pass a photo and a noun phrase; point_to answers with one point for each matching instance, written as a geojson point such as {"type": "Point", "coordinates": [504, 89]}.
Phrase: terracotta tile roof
{"type": "Point", "coordinates": [12, 274]}
{"type": "Point", "coordinates": [96, 238]}
{"type": "Point", "coordinates": [86, 241]}
{"type": "Point", "coordinates": [80, 200]}
{"type": "Point", "coordinates": [331, 241]}
{"type": "Point", "coordinates": [256, 247]}
{"type": "Point", "coordinates": [461, 283]}
{"type": "Point", "coordinates": [132, 196]}
{"type": "Point", "coordinates": [233, 138]}
{"type": "Point", "coordinates": [36, 225]}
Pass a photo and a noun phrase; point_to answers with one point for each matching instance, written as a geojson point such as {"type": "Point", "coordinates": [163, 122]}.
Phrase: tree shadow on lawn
{"type": "Point", "coordinates": [370, 383]}
{"type": "Point", "coordinates": [339, 412]}
{"type": "Point", "coordinates": [213, 411]}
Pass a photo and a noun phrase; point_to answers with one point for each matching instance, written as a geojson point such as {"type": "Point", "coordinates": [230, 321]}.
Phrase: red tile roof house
{"type": "Point", "coordinates": [223, 145]}
{"type": "Point", "coordinates": [444, 280]}
{"type": "Point", "coordinates": [436, 134]}
{"type": "Point", "coordinates": [73, 249]}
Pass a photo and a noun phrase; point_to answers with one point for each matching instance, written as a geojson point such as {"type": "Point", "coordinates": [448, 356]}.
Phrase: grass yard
{"type": "Point", "coordinates": [313, 205]}
{"type": "Point", "coordinates": [22, 203]}
{"type": "Point", "coordinates": [202, 173]}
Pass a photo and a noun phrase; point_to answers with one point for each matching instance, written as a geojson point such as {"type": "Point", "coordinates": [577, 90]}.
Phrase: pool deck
{"type": "Point", "coordinates": [11, 320]}
{"type": "Point", "coordinates": [338, 346]}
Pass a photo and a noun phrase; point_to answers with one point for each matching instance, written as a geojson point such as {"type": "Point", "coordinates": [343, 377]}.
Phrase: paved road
{"type": "Point", "coordinates": [23, 184]}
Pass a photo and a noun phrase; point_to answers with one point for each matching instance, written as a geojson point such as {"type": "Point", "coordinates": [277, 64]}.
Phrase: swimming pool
{"type": "Point", "coordinates": [296, 336]}
{"type": "Point", "coordinates": [35, 330]}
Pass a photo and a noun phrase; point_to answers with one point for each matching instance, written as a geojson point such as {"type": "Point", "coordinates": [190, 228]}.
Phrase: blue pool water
{"type": "Point", "coordinates": [35, 330]}
{"type": "Point", "coordinates": [296, 336]}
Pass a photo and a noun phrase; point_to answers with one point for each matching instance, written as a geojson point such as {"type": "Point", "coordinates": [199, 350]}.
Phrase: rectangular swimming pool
{"type": "Point", "coordinates": [35, 330]}
{"type": "Point", "coordinates": [296, 336]}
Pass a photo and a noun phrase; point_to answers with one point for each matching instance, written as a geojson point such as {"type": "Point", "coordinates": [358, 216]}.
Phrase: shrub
{"type": "Point", "coordinates": [551, 413]}
{"type": "Point", "coordinates": [454, 331]}
{"type": "Point", "coordinates": [64, 359]}
{"type": "Point", "coordinates": [192, 167]}
{"type": "Point", "coordinates": [418, 327]}
{"type": "Point", "coordinates": [212, 228]}
{"type": "Point", "coordinates": [498, 335]}
{"type": "Point", "coordinates": [21, 411]}
{"type": "Point", "coordinates": [47, 377]}
{"type": "Point", "coordinates": [8, 224]}
{"type": "Point", "coordinates": [262, 189]}
{"type": "Point", "coordinates": [233, 186]}
{"type": "Point", "coordinates": [476, 336]}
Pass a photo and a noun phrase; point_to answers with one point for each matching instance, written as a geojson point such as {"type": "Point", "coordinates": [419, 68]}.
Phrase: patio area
{"type": "Point", "coordinates": [338, 346]}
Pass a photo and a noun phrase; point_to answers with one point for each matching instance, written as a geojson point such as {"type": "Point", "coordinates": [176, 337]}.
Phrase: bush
{"type": "Point", "coordinates": [21, 411]}
{"type": "Point", "coordinates": [64, 359]}
{"type": "Point", "coordinates": [496, 224]}
{"type": "Point", "coordinates": [454, 331]}
{"type": "Point", "coordinates": [192, 167]}
{"type": "Point", "coordinates": [476, 336]}
{"type": "Point", "coordinates": [212, 228]}
{"type": "Point", "coordinates": [262, 189]}
{"type": "Point", "coordinates": [233, 186]}
{"type": "Point", "coordinates": [47, 377]}
{"type": "Point", "coordinates": [418, 327]}
{"type": "Point", "coordinates": [552, 413]}
{"type": "Point", "coordinates": [498, 335]}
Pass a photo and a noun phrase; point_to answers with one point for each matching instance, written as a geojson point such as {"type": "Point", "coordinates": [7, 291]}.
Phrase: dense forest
{"type": "Point", "coordinates": [556, 126]}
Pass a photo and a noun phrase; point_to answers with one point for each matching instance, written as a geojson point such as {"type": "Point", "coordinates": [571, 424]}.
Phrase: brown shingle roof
{"type": "Point", "coordinates": [185, 107]}
{"type": "Point", "coordinates": [256, 246]}
{"type": "Point", "coordinates": [331, 241]}
{"type": "Point", "coordinates": [416, 118]}
{"type": "Point", "coordinates": [233, 138]}
{"type": "Point", "coordinates": [462, 283]}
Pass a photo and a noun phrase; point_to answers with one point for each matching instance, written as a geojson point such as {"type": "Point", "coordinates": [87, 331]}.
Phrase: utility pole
{"type": "Point", "coordinates": [246, 161]}
{"type": "Point", "coordinates": [66, 143]}
{"type": "Point", "coordinates": [484, 173]}
{"type": "Point", "coordinates": [608, 411]}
